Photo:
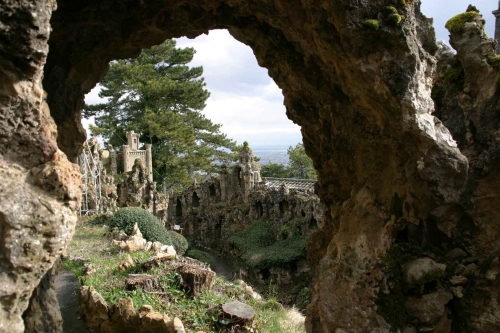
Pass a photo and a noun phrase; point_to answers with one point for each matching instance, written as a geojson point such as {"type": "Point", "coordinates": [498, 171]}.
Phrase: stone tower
{"type": "Point", "coordinates": [249, 171]}
{"type": "Point", "coordinates": [131, 152]}
{"type": "Point", "coordinates": [497, 27]}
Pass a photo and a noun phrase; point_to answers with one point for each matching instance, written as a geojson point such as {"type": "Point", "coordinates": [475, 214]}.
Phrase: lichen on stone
{"type": "Point", "coordinates": [372, 24]}
{"type": "Point", "coordinates": [457, 23]}
{"type": "Point", "coordinates": [388, 10]}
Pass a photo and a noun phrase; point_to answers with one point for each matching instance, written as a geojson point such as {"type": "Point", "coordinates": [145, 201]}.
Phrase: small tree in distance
{"type": "Point", "coordinates": [300, 165]}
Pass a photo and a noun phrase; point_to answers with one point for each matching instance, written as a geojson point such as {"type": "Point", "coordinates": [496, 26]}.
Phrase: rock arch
{"type": "Point", "coordinates": [361, 96]}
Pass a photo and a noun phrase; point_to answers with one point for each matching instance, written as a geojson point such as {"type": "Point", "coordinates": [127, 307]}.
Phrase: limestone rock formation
{"type": "Point", "coordinates": [39, 187]}
{"type": "Point", "coordinates": [388, 169]}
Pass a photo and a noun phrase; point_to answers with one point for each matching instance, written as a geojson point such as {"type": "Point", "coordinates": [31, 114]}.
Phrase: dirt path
{"type": "Point", "coordinates": [67, 295]}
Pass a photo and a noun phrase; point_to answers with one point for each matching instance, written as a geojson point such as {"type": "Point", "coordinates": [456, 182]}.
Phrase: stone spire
{"type": "Point", "coordinates": [497, 27]}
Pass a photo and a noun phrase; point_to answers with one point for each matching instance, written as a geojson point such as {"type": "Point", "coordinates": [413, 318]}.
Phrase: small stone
{"type": "Point", "coordinates": [459, 280]}
{"type": "Point", "coordinates": [471, 260]}
{"type": "Point", "coordinates": [126, 263]}
{"type": "Point", "coordinates": [178, 326]}
{"type": "Point", "coordinates": [456, 254]}
{"type": "Point", "coordinates": [428, 308]}
{"type": "Point", "coordinates": [145, 309]}
{"type": "Point", "coordinates": [458, 291]}
{"type": "Point", "coordinates": [88, 269]}
{"type": "Point", "coordinates": [469, 270]}
{"type": "Point", "coordinates": [409, 329]}
{"type": "Point", "coordinates": [148, 246]}
{"type": "Point", "coordinates": [423, 270]}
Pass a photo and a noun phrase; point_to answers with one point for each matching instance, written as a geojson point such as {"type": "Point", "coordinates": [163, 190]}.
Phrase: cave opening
{"type": "Point", "coordinates": [178, 208]}
{"type": "Point", "coordinates": [211, 191]}
{"type": "Point", "coordinates": [259, 209]}
{"type": "Point", "coordinates": [196, 200]}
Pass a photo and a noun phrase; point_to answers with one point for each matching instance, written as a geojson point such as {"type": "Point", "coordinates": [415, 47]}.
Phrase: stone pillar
{"type": "Point", "coordinates": [223, 184]}
{"type": "Point", "coordinates": [127, 165]}
{"type": "Point", "coordinates": [149, 162]}
{"type": "Point", "coordinates": [112, 163]}
{"type": "Point", "coordinates": [497, 27]}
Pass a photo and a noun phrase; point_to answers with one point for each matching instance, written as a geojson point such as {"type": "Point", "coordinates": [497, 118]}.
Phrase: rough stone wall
{"type": "Point", "coordinates": [39, 187]}
{"type": "Point", "coordinates": [361, 97]}
{"type": "Point", "coordinates": [468, 104]}
{"type": "Point", "coordinates": [209, 219]}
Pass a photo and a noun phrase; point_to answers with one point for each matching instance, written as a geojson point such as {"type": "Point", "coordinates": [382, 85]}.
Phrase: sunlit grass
{"type": "Point", "coordinates": [197, 313]}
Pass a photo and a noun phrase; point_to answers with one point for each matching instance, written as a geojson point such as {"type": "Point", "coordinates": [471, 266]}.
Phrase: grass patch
{"type": "Point", "coordinates": [260, 248]}
{"type": "Point", "coordinates": [200, 313]}
{"type": "Point", "coordinates": [202, 256]}
{"type": "Point", "coordinates": [457, 23]}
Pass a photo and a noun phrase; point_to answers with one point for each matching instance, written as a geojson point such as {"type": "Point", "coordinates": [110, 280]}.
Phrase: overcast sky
{"type": "Point", "coordinates": [247, 102]}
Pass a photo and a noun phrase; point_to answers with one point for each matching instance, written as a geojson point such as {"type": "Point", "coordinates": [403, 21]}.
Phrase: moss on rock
{"type": "Point", "coordinates": [394, 19]}
{"type": "Point", "coordinates": [372, 24]}
{"type": "Point", "coordinates": [495, 62]}
{"type": "Point", "coordinates": [457, 23]}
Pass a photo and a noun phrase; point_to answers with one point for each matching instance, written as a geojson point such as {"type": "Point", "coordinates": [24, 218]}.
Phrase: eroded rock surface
{"type": "Point", "coordinates": [39, 188]}
{"type": "Point", "coordinates": [388, 170]}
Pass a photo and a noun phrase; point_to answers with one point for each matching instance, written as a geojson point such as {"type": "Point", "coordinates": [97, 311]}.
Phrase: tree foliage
{"type": "Point", "coordinates": [300, 165]}
{"type": "Point", "coordinates": [160, 96]}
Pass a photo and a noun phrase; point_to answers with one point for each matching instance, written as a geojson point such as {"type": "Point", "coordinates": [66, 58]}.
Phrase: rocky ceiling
{"type": "Point", "coordinates": [388, 171]}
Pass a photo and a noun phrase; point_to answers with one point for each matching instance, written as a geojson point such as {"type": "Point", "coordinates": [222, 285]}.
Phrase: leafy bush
{"type": "Point", "coordinates": [180, 242]}
{"type": "Point", "coordinates": [457, 23]}
{"type": "Point", "coordinates": [150, 226]}
{"type": "Point", "coordinates": [260, 248]}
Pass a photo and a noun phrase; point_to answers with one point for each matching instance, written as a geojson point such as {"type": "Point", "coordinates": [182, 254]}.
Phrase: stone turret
{"type": "Point", "coordinates": [497, 27]}
{"type": "Point", "coordinates": [133, 140]}
{"type": "Point", "coordinates": [250, 170]}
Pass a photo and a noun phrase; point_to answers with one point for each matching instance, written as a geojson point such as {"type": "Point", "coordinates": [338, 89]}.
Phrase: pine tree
{"type": "Point", "coordinates": [160, 96]}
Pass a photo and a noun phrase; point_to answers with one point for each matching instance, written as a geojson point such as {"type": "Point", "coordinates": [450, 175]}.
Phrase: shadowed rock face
{"type": "Point", "coordinates": [387, 169]}
{"type": "Point", "coordinates": [39, 187]}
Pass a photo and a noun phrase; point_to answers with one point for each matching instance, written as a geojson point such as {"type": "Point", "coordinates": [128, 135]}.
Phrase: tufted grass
{"type": "Point", "coordinates": [197, 313]}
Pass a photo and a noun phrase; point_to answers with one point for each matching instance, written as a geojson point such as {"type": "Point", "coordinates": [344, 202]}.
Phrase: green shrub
{"type": "Point", "coordinates": [150, 226]}
{"type": "Point", "coordinates": [260, 248]}
{"type": "Point", "coordinates": [180, 242]}
{"type": "Point", "coordinates": [457, 23]}
{"type": "Point", "coordinates": [372, 24]}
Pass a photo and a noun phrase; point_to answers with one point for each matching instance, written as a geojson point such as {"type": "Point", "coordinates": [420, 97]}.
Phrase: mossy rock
{"type": "Point", "coordinates": [457, 23]}
{"type": "Point", "coordinates": [394, 19]}
{"type": "Point", "coordinates": [372, 24]}
{"type": "Point", "coordinates": [495, 62]}
{"type": "Point", "coordinates": [389, 10]}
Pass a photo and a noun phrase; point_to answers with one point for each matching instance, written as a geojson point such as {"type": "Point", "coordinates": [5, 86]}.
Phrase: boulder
{"type": "Point", "coordinates": [456, 254]}
{"type": "Point", "coordinates": [126, 263]}
{"type": "Point", "coordinates": [93, 307]}
{"type": "Point", "coordinates": [423, 270]}
{"type": "Point", "coordinates": [428, 308]}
